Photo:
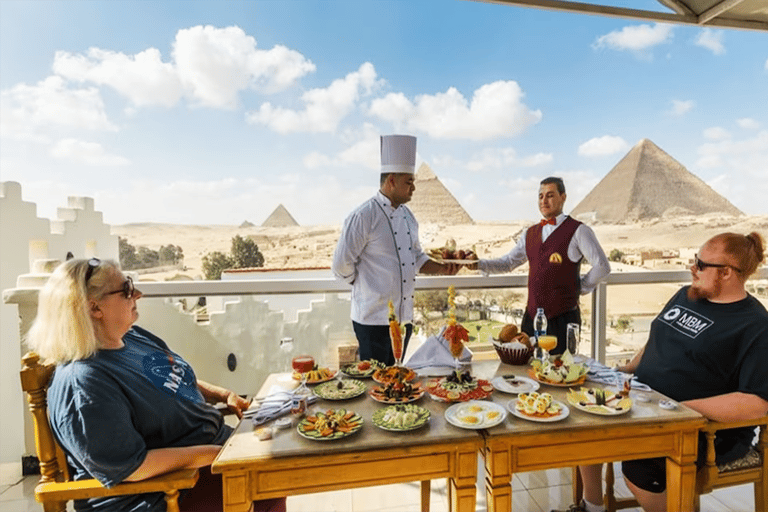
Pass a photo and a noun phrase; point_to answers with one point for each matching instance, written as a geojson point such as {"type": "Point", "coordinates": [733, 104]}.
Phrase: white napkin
{"type": "Point", "coordinates": [598, 372]}
{"type": "Point", "coordinates": [435, 352]}
{"type": "Point", "coordinates": [277, 403]}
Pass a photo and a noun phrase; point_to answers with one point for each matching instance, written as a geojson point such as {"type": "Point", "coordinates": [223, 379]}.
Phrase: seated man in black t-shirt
{"type": "Point", "coordinates": [708, 350]}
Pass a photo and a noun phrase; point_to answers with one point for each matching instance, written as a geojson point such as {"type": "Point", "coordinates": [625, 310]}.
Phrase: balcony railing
{"type": "Point", "coordinates": [331, 285]}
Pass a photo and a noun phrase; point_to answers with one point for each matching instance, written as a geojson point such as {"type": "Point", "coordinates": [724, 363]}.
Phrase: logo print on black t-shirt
{"type": "Point", "coordinates": [171, 374]}
{"type": "Point", "coordinates": [686, 321]}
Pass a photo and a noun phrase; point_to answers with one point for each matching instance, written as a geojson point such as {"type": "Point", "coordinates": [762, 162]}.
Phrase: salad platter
{"type": "Point", "coordinates": [599, 401]}
{"type": "Point", "coordinates": [475, 414]}
{"type": "Point", "coordinates": [559, 370]}
{"type": "Point", "coordinates": [458, 387]}
{"type": "Point", "coordinates": [329, 425]}
{"type": "Point", "coordinates": [397, 392]}
{"type": "Point", "coordinates": [317, 375]}
{"type": "Point", "coordinates": [340, 389]}
{"type": "Point", "coordinates": [401, 418]}
{"type": "Point", "coordinates": [362, 369]}
{"type": "Point", "coordinates": [392, 373]}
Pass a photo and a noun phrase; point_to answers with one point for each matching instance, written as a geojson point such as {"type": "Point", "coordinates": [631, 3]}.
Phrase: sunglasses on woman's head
{"type": "Point", "coordinates": [701, 265]}
{"type": "Point", "coordinates": [93, 264]}
{"type": "Point", "coordinates": [127, 289]}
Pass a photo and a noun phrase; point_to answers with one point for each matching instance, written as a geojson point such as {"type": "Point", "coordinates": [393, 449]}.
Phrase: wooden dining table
{"type": "Point", "coordinates": [289, 464]}
{"type": "Point", "coordinates": [646, 430]}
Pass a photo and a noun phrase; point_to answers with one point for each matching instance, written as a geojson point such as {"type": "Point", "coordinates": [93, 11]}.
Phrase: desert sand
{"type": "Point", "coordinates": [312, 246]}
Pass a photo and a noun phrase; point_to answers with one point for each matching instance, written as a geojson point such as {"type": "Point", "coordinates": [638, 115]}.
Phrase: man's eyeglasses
{"type": "Point", "coordinates": [701, 265]}
{"type": "Point", "coordinates": [127, 289]}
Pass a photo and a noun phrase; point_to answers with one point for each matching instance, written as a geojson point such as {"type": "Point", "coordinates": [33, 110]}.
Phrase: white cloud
{"type": "Point", "coordinates": [325, 108]}
{"type": "Point", "coordinates": [766, 64]}
{"type": "Point", "coordinates": [748, 123]}
{"type": "Point", "coordinates": [739, 170]}
{"type": "Point", "coordinates": [635, 38]}
{"type": "Point", "coordinates": [603, 146]}
{"type": "Point", "coordinates": [32, 112]}
{"type": "Point", "coordinates": [496, 110]}
{"type": "Point", "coordinates": [215, 64]}
{"type": "Point", "coordinates": [739, 155]}
{"type": "Point", "coordinates": [716, 133]}
{"type": "Point", "coordinates": [88, 153]}
{"type": "Point", "coordinates": [504, 158]}
{"type": "Point", "coordinates": [361, 149]}
{"type": "Point", "coordinates": [711, 40]}
{"type": "Point", "coordinates": [142, 78]}
{"type": "Point", "coordinates": [682, 107]}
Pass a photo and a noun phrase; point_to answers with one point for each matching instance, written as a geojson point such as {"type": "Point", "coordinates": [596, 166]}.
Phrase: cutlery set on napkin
{"type": "Point", "coordinates": [598, 372]}
{"type": "Point", "coordinates": [277, 403]}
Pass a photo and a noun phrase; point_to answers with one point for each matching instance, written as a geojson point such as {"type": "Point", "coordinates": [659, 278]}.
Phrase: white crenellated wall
{"type": "Point", "coordinates": [244, 327]}
{"type": "Point", "coordinates": [24, 239]}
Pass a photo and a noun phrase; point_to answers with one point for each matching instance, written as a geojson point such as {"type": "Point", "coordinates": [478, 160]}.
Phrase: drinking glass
{"type": "Point", "coordinates": [572, 338]}
{"type": "Point", "coordinates": [547, 343]}
{"type": "Point", "coordinates": [397, 347]}
{"type": "Point", "coordinates": [303, 364]}
{"type": "Point", "coordinates": [457, 348]}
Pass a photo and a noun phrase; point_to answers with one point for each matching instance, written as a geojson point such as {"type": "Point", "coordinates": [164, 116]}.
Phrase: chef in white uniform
{"type": "Point", "coordinates": [379, 253]}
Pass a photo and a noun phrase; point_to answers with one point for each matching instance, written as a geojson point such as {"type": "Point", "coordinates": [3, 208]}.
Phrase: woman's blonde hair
{"type": "Point", "coordinates": [63, 330]}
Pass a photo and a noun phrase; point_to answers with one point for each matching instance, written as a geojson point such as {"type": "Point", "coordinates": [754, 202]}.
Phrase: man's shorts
{"type": "Point", "coordinates": [651, 474]}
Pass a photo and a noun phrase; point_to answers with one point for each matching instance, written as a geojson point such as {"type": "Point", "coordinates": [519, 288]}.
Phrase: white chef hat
{"type": "Point", "coordinates": [398, 154]}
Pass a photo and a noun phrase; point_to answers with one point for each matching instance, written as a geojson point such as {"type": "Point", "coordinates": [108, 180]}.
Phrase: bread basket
{"type": "Point", "coordinates": [512, 353]}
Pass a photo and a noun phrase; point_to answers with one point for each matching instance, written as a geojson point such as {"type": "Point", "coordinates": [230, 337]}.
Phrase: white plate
{"type": "Point", "coordinates": [564, 411]}
{"type": "Point", "coordinates": [459, 262]}
{"type": "Point", "coordinates": [524, 385]}
{"type": "Point", "coordinates": [457, 414]}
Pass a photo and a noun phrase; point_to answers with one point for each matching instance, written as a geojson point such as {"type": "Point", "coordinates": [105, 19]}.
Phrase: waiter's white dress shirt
{"type": "Point", "coordinates": [584, 243]}
{"type": "Point", "coordinates": [379, 255]}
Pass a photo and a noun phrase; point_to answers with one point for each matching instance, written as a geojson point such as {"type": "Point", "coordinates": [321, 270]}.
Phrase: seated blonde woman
{"type": "Point", "coordinates": [122, 404]}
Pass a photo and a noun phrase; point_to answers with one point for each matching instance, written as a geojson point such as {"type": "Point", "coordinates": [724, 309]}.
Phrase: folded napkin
{"type": "Point", "coordinates": [435, 352]}
{"type": "Point", "coordinates": [598, 372]}
{"type": "Point", "coordinates": [277, 403]}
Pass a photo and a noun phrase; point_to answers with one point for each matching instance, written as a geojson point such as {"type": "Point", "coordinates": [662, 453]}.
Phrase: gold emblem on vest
{"type": "Point", "coordinates": [555, 258]}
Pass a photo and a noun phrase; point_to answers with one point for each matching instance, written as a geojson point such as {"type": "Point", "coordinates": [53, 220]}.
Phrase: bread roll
{"type": "Point", "coordinates": [507, 333]}
{"type": "Point", "coordinates": [523, 338]}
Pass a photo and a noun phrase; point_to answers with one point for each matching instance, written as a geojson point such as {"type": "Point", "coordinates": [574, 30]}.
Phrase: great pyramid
{"type": "Point", "coordinates": [432, 202]}
{"type": "Point", "coordinates": [646, 184]}
{"type": "Point", "coordinates": [279, 218]}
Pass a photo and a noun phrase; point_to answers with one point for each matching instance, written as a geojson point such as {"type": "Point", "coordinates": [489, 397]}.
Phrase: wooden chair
{"type": "Point", "coordinates": [752, 468]}
{"type": "Point", "coordinates": [56, 487]}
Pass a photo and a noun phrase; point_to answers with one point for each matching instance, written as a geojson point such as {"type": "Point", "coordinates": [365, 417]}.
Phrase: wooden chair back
{"type": "Point", "coordinates": [56, 488]}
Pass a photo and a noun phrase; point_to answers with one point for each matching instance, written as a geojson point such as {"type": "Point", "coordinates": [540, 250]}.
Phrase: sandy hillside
{"type": "Point", "coordinates": [312, 246]}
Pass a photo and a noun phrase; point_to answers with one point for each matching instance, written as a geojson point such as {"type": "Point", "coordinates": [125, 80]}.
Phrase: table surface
{"type": "Point", "coordinates": [245, 453]}
{"type": "Point", "coordinates": [287, 443]}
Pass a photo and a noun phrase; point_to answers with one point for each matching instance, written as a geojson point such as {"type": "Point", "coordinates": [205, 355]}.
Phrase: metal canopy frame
{"type": "Point", "coordinates": [739, 14]}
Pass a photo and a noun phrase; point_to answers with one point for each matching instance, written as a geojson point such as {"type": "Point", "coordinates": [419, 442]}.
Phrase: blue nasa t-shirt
{"type": "Point", "coordinates": [108, 410]}
{"type": "Point", "coordinates": [698, 349]}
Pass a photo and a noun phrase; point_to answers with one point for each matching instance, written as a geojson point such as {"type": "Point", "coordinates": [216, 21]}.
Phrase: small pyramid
{"type": "Point", "coordinates": [279, 218]}
{"type": "Point", "coordinates": [648, 183]}
{"type": "Point", "coordinates": [432, 202]}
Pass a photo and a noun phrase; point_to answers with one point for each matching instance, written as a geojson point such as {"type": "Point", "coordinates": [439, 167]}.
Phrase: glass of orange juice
{"type": "Point", "coordinates": [547, 343]}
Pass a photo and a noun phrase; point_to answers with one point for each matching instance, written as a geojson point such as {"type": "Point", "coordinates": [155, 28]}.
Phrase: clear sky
{"type": "Point", "coordinates": [215, 112]}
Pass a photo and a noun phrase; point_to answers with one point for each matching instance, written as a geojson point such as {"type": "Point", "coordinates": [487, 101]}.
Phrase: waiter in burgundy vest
{"type": "Point", "coordinates": [555, 249]}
